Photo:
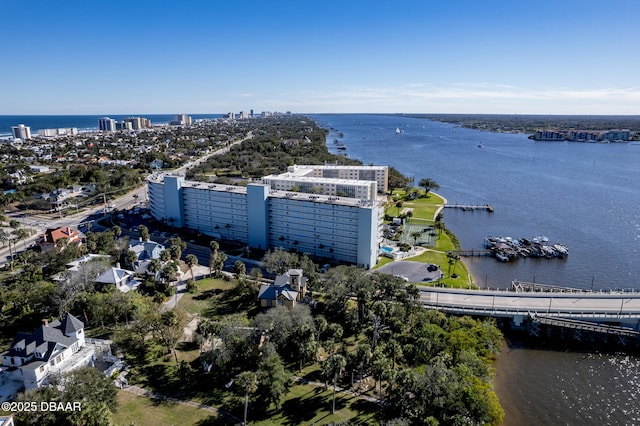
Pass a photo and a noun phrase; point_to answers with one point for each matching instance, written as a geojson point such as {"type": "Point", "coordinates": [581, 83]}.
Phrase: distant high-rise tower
{"type": "Point", "coordinates": [251, 113]}
{"type": "Point", "coordinates": [136, 122]}
{"type": "Point", "coordinates": [183, 119]}
{"type": "Point", "coordinates": [21, 132]}
{"type": "Point", "coordinates": [107, 124]}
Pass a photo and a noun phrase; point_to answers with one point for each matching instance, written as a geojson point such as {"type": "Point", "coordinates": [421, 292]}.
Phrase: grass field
{"type": "Point", "coordinates": [307, 405]}
{"type": "Point", "coordinates": [210, 290]}
{"type": "Point", "coordinates": [142, 411]}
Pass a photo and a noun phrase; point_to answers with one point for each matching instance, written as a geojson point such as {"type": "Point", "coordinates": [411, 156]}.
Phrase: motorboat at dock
{"type": "Point", "coordinates": [507, 249]}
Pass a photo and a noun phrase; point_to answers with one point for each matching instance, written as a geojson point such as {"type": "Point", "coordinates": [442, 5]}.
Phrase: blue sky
{"type": "Point", "coordinates": [429, 56]}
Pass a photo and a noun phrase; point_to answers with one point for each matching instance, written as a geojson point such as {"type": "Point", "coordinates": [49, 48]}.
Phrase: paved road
{"type": "Point", "coordinates": [623, 304]}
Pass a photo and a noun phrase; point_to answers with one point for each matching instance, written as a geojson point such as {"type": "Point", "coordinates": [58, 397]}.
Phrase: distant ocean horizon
{"type": "Point", "coordinates": [81, 122]}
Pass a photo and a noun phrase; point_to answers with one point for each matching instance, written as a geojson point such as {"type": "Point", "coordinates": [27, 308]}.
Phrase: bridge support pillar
{"type": "Point", "coordinates": [517, 320]}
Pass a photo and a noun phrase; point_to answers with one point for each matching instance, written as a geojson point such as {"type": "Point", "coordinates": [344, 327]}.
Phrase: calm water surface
{"type": "Point", "coordinates": [585, 196]}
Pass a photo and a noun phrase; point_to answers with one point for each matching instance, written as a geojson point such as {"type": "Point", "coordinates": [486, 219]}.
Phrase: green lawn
{"type": "Point", "coordinates": [424, 208]}
{"type": "Point", "coordinates": [209, 290]}
{"type": "Point", "coordinates": [141, 411]}
{"type": "Point", "coordinates": [304, 404]}
{"type": "Point", "coordinates": [308, 404]}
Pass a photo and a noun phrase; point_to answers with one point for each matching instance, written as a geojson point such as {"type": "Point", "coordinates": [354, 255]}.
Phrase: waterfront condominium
{"type": "Point", "coordinates": [21, 132]}
{"type": "Point", "coordinates": [322, 224]}
{"type": "Point", "coordinates": [107, 124]}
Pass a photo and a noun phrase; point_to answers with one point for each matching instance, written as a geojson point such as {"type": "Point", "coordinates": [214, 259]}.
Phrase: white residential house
{"type": "Point", "coordinates": [53, 348]}
{"type": "Point", "coordinates": [123, 279]}
{"type": "Point", "coordinates": [82, 265]}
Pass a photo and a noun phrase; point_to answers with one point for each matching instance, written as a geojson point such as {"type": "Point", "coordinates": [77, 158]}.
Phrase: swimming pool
{"type": "Point", "coordinates": [386, 249]}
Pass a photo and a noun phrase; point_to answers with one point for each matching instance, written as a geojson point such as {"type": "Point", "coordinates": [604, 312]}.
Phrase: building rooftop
{"type": "Point", "coordinates": [300, 178]}
{"type": "Point", "coordinates": [317, 198]}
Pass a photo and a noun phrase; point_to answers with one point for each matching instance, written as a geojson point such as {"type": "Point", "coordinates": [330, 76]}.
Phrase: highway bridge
{"type": "Point", "coordinates": [615, 312]}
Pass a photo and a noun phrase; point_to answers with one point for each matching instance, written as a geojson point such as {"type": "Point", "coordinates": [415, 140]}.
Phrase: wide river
{"type": "Point", "coordinates": [586, 196]}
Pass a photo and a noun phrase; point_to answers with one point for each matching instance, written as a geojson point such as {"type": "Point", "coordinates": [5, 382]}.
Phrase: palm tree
{"type": "Point", "coordinates": [117, 231]}
{"type": "Point", "coordinates": [380, 367]}
{"type": "Point", "coordinates": [247, 382]}
{"type": "Point", "coordinates": [170, 319]}
{"type": "Point", "coordinates": [399, 206]}
{"type": "Point", "coordinates": [415, 235]}
{"type": "Point", "coordinates": [334, 365]}
{"type": "Point", "coordinates": [144, 232]}
{"type": "Point", "coordinates": [131, 257]}
{"type": "Point", "coordinates": [239, 268]}
{"type": "Point", "coordinates": [191, 260]}
{"type": "Point", "coordinates": [439, 223]}
{"type": "Point", "coordinates": [214, 246]}
{"type": "Point", "coordinates": [154, 266]}
{"type": "Point", "coordinates": [4, 237]}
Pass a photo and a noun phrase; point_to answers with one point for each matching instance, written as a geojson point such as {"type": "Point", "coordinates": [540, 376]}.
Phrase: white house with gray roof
{"type": "Point", "coordinates": [53, 348]}
{"type": "Point", "coordinates": [123, 279]}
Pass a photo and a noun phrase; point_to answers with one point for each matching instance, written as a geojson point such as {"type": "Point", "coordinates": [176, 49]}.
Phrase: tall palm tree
{"type": "Point", "coordinates": [247, 382]}
{"type": "Point", "coordinates": [191, 260]}
{"type": "Point", "coordinates": [415, 235]}
{"type": "Point", "coordinates": [117, 231]}
{"type": "Point", "coordinates": [214, 246]}
{"type": "Point", "coordinates": [334, 365]}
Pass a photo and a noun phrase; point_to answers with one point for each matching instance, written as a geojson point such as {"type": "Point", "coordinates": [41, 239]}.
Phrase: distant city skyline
{"type": "Point", "coordinates": [490, 57]}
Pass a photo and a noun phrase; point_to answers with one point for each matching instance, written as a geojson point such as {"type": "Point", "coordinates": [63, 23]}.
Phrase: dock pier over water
{"type": "Point", "coordinates": [470, 207]}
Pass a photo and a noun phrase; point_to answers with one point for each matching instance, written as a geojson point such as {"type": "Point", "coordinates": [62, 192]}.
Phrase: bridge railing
{"type": "Point", "coordinates": [501, 312]}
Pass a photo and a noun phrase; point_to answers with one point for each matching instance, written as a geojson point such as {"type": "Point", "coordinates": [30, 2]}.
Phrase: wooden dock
{"type": "Point", "coordinates": [470, 207]}
{"type": "Point", "coordinates": [467, 253]}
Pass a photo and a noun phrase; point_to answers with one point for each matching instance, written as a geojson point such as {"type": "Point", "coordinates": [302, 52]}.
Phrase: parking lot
{"type": "Point", "coordinates": [414, 272]}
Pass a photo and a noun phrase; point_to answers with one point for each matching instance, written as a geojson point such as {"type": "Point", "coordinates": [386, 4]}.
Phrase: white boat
{"type": "Point", "coordinates": [398, 131]}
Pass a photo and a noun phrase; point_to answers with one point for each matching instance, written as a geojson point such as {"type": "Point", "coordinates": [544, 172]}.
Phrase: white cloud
{"type": "Point", "coordinates": [468, 98]}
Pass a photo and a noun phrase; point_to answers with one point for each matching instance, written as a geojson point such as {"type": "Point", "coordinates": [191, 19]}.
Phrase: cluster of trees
{"type": "Point", "coordinates": [105, 180]}
{"type": "Point", "coordinates": [33, 294]}
{"type": "Point", "coordinates": [530, 123]}
{"type": "Point", "coordinates": [86, 395]}
{"type": "Point", "coordinates": [277, 143]}
{"type": "Point", "coordinates": [368, 329]}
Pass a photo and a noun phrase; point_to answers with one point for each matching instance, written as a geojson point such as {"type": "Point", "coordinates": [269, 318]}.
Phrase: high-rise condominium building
{"type": "Point", "coordinates": [21, 132]}
{"type": "Point", "coordinates": [107, 124]}
{"type": "Point", "coordinates": [339, 228]}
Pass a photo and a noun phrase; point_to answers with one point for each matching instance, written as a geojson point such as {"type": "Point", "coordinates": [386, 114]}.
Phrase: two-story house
{"type": "Point", "coordinates": [55, 347]}
{"type": "Point", "coordinates": [286, 290]}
